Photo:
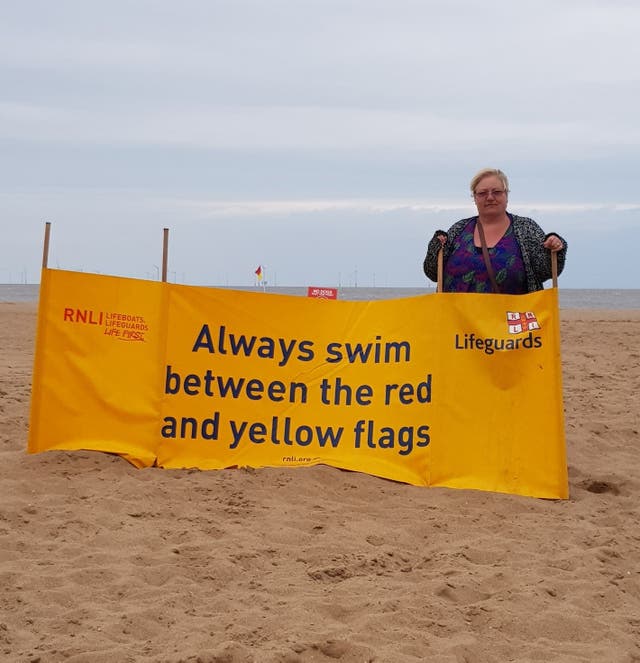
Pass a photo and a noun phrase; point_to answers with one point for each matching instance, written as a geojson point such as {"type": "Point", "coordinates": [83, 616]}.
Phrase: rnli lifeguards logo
{"type": "Point", "coordinates": [519, 323]}
{"type": "Point", "coordinates": [123, 326]}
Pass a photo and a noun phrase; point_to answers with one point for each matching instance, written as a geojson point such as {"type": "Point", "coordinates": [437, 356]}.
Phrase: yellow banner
{"type": "Point", "coordinates": [455, 390]}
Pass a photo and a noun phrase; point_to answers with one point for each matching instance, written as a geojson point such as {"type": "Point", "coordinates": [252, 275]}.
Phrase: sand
{"type": "Point", "coordinates": [101, 562]}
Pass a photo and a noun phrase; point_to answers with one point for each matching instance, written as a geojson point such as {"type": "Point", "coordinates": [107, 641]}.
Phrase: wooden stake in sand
{"type": "Point", "coordinates": [165, 254]}
{"type": "Point", "coordinates": [45, 250]}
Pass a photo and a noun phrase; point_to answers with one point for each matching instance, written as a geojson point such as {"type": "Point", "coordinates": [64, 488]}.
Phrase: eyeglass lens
{"type": "Point", "coordinates": [493, 192]}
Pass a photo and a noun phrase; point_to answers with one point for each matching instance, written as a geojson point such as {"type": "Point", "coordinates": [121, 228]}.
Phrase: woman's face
{"type": "Point", "coordinates": [490, 196]}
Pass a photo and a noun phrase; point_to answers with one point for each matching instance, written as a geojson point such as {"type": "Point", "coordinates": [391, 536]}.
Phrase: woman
{"type": "Point", "coordinates": [515, 258]}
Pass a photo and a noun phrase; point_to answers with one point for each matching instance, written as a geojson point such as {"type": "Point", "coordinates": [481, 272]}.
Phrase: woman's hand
{"type": "Point", "coordinates": [553, 243]}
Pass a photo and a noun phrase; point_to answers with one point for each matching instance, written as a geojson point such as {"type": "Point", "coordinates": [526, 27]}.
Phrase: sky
{"type": "Point", "coordinates": [325, 140]}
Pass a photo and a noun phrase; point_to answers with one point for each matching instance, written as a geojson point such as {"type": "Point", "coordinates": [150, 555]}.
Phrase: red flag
{"type": "Point", "coordinates": [258, 272]}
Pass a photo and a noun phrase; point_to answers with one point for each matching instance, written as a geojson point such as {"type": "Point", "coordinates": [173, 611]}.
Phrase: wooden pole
{"type": "Point", "coordinates": [440, 269]}
{"type": "Point", "coordinates": [554, 268]}
{"type": "Point", "coordinates": [45, 250]}
{"type": "Point", "coordinates": [165, 254]}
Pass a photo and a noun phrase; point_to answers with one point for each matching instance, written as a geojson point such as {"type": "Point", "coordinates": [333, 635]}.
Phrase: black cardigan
{"type": "Point", "coordinates": [529, 236]}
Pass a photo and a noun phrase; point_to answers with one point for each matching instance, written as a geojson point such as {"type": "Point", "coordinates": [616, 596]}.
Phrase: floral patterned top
{"type": "Point", "coordinates": [529, 237]}
{"type": "Point", "coordinates": [466, 271]}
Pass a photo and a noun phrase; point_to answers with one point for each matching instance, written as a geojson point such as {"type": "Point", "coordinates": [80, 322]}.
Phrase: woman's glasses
{"type": "Point", "coordinates": [495, 193]}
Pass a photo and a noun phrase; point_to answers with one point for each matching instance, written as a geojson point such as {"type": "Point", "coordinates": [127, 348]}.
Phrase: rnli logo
{"type": "Point", "coordinates": [520, 323]}
{"type": "Point", "coordinates": [123, 326]}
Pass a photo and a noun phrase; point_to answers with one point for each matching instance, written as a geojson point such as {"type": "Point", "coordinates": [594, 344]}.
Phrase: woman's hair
{"type": "Point", "coordinates": [481, 174]}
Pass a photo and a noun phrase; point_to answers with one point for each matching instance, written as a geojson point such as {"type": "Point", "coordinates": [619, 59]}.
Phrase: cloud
{"type": "Point", "coordinates": [295, 128]}
{"type": "Point", "coordinates": [326, 74]}
{"type": "Point", "coordinates": [253, 208]}
{"type": "Point", "coordinates": [355, 123]}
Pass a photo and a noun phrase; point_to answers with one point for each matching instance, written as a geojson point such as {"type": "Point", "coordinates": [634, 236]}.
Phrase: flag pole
{"type": "Point", "coordinates": [554, 268]}
{"type": "Point", "coordinates": [440, 269]}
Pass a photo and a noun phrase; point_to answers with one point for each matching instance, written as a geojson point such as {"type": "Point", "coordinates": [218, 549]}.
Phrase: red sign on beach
{"type": "Point", "coordinates": [322, 293]}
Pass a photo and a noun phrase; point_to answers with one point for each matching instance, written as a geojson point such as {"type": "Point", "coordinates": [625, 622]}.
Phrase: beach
{"type": "Point", "coordinates": [103, 562]}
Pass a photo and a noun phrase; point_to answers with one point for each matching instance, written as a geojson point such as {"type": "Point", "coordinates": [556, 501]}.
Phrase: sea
{"type": "Point", "coordinates": [569, 297]}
